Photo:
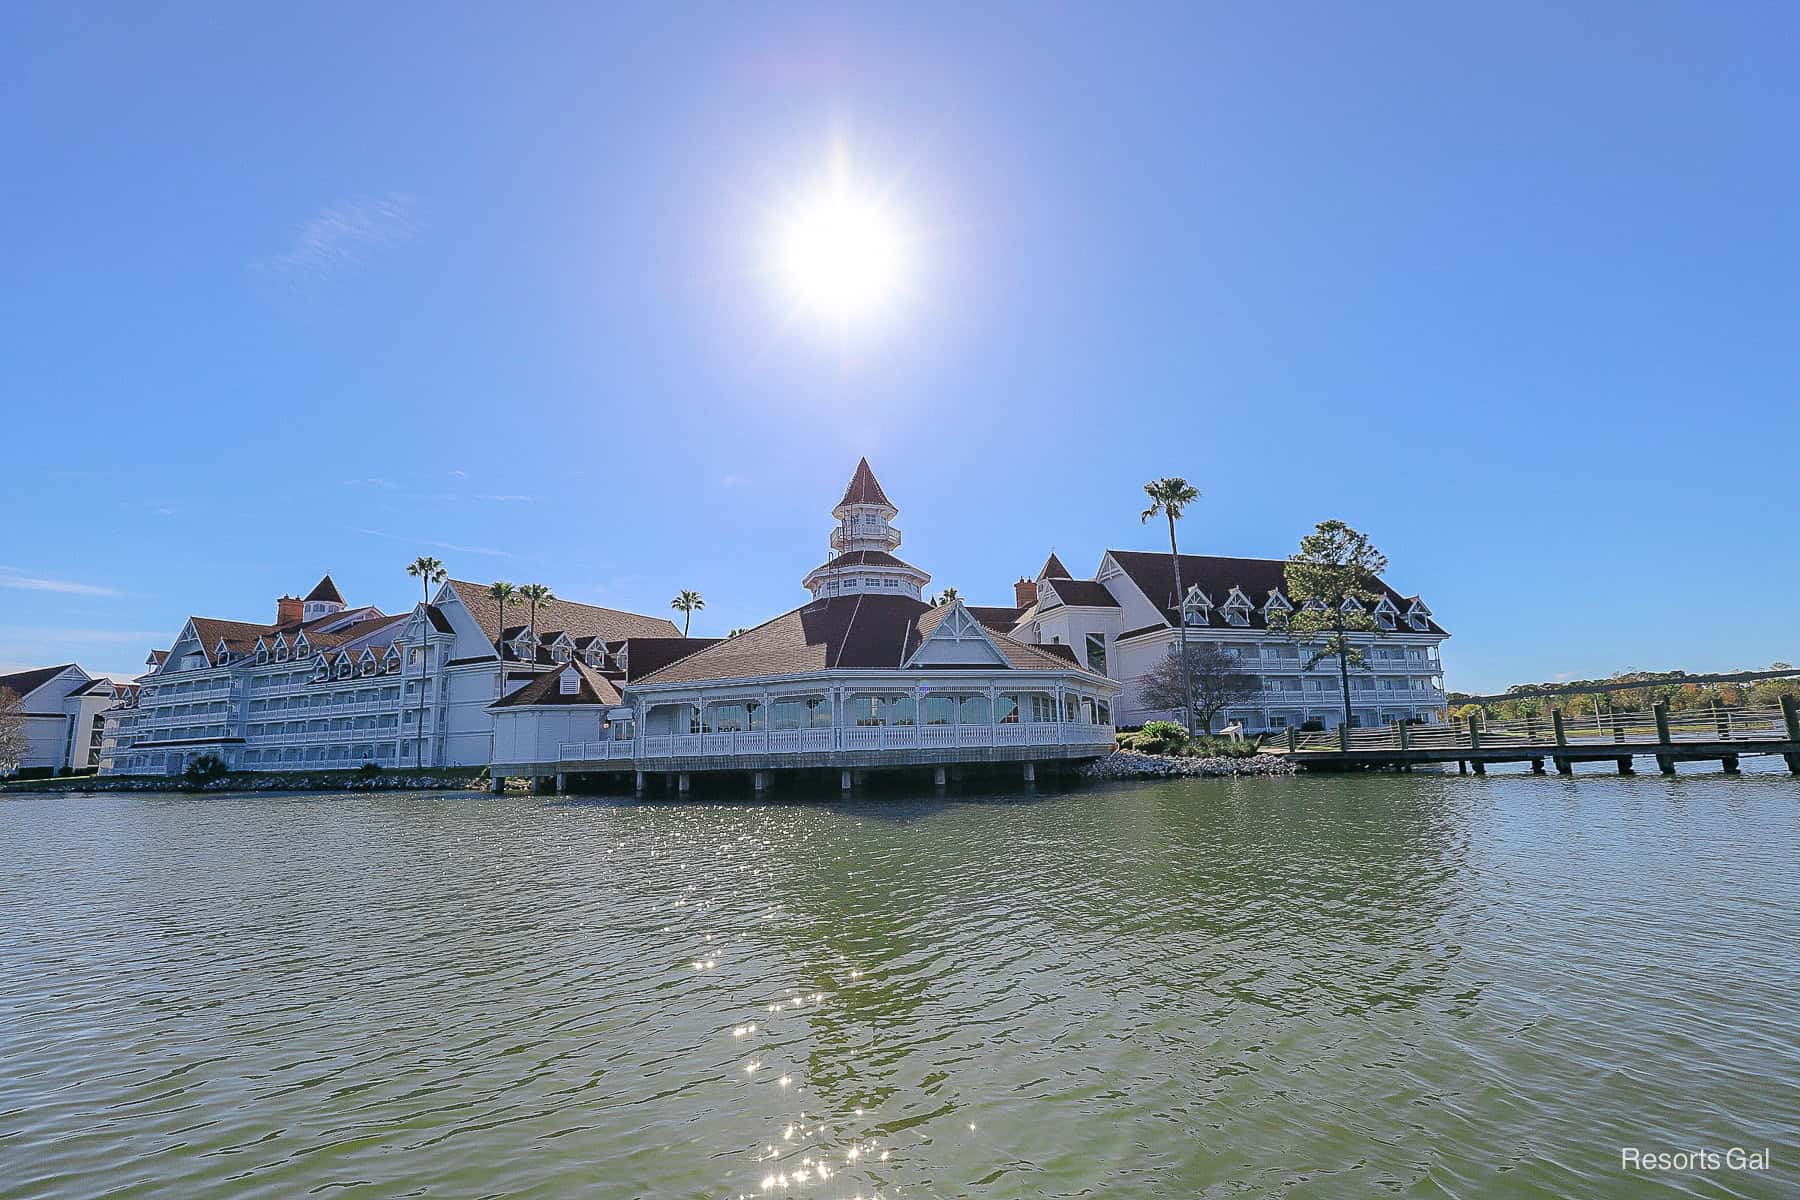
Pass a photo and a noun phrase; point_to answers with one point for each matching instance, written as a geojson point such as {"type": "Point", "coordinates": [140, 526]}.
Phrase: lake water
{"type": "Point", "coordinates": [1323, 987]}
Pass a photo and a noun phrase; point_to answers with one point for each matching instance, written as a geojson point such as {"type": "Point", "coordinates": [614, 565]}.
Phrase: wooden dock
{"type": "Point", "coordinates": [1710, 735]}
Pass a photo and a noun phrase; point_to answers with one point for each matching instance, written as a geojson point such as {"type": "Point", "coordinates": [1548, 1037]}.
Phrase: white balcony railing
{"type": "Point", "coordinates": [860, 737]}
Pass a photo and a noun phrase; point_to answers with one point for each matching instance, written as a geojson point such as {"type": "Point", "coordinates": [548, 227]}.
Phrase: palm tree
{"type": "Point", "coordinates": [948, 596]}
{"type": "Point", "coordinates": [505, 595]}
{"type": "Point", "coordinates": [686, 603]}
{"type": "Point", "coordinates": [537, 595]}
{"type": "Point", "coordinates": [429, 572]}
{"type": "Point", "coordinates": [1169, 496]}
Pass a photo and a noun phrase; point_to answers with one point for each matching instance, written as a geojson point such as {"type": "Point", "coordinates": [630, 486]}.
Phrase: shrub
{"type": "Point", "coordinates": [33, 773]}
{"type": "Point", "coordinates": [1312, 725]}
{"type": "Point", "coordinates": [1162, 737]}
{"type": "Point", "coordinates": [208, 768]}
{"type": "Point", "coordinates": [369, 770]}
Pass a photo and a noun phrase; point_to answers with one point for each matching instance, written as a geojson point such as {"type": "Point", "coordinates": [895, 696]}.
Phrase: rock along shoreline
{"type": "Point", "coordinates": [1129, 764]}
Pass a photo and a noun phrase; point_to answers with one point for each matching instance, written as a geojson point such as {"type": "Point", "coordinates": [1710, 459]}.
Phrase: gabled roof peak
{"type": "Point", "coordinates": [1053, 568]}
{"type": "Point", "coordinates": [325, 590]}
{"type": "Point", "coordinates": [864, 488]}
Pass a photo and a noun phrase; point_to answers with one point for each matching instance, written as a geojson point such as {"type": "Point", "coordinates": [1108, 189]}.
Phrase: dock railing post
{"type": "Point", "coordinates": [1663, 761]}
{"type": "Point", "coordinates": [1344, 736]}
{"type": "Point", "coordinates": [1405, 737]}
{"type": "Point", "coordinates": [1563, 765]}
{"type": "Point", "coordinates": [1293, 739]}
{"type": "Point", "coordinates": [1790, 715]}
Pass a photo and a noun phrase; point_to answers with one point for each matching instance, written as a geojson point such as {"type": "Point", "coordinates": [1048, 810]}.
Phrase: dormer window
{"type": "Point", "coordinates": [1196, 607]}
{"type": "Point", "coordinates": [1276, 609]}
{"type": "Point", "coordinates": [262, 656]}
{"type": "Point", "coordinates": [1237, 608]}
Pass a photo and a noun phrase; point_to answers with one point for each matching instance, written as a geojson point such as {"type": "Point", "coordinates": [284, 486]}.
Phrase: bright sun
{"type": "Point", "coordinates": [840, 254]}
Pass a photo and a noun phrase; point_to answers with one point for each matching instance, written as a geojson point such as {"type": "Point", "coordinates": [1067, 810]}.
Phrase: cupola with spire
{"type": "Point", "coordinates": [323, 601]}
{"type": "Point", "coordinates": [862, 546]}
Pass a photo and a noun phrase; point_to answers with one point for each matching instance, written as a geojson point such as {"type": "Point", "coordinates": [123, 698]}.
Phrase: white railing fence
{"type": "Point", "coordinates": [816, 741]}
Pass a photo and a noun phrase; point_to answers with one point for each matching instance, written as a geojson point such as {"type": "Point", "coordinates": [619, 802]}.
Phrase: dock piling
{"type": "Point", "coordinates": [1790, 715]}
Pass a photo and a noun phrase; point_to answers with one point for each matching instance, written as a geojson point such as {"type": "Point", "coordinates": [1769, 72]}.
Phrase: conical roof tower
{"type": "Point", "coordinates": [862, 546]}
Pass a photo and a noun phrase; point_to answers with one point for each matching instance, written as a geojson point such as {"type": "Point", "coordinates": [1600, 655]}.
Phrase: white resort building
{"type": "Point", "coordinates": [329, 685]}
{"type": "Point", "coordinates": [1124, 620]}
{"type": "Point", "coordinates": [865, 676]}
{"type": "Point", "coordinates": [62, 710]}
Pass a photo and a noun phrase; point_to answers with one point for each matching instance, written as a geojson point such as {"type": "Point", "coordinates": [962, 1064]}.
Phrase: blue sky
{"type": "Point", "coordinates": [323, 288]}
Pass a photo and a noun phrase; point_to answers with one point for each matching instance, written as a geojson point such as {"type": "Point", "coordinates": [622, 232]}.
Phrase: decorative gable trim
{"type": "Point", "coordinates": [959, 631]}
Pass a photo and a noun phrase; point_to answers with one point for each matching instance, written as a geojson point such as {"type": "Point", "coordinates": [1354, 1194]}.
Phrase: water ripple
{"type": "Point", "coordinates": [1314, 987]}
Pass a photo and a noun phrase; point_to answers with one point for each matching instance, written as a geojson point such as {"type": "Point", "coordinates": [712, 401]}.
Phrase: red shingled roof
{"type": "Point", "coordinates": [23, 683]}
{"type": "Point", "coordinates": [1081, 593]}
{"type": "Point", "coordinates": [1216, 576]}
{"type": "Point", "coordinates": [864, 488]}
{"type": "Point", "coordinates": [1053, 568]}
{"type": "Point", "coordinates": [578, 620]}
{"type": "Point", "coordinates": [327, 591]}
{"type": "Point", "coordinates": [868, 558]}
{"type": "Point", "coordinates": [547, 689]}
{"type": "Point", "coordinates": [995, 617]}
{"type": "Point", "coordinates": [860, 632]}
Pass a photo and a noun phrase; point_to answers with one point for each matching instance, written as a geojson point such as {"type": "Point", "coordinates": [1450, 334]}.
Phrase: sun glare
{"type": "Point", "coordinates": [840, 254]}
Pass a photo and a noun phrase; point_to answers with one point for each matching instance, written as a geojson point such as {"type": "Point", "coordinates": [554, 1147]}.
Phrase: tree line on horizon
{"type": "Point", "coordinates": [1677, 689]}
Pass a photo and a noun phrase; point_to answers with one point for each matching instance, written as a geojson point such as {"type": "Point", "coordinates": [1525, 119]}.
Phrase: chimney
{"type": "Point", "coordinates": [288, 610]}
{"type": "Point", "coordinates": [1024, 593]}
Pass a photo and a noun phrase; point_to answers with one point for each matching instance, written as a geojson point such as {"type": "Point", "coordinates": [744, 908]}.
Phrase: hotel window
{"type": "Point", "coordinates": [1043, 709]}
{"type": "Point", "coordinates": [1096, 653]}
{"type": "Point", "coordinates": [1196, 614]}
{"type": "Point", "coordinates": [893, 583]}
{"type": "Point", "coordinates": [863, 710]}
{"type": "Point", "coordinates": [1102, 712]}
{"type": "Point", "coordinates": [729, 718]}
{"type": "Point", "coordinates": [1237, 614]}
{"type": "Point", "coordinates": [973, 711]}
{"type": "Point", "coordinates": [940, 710]}
{"type": "Point", "coordinates": [1006, 710]}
